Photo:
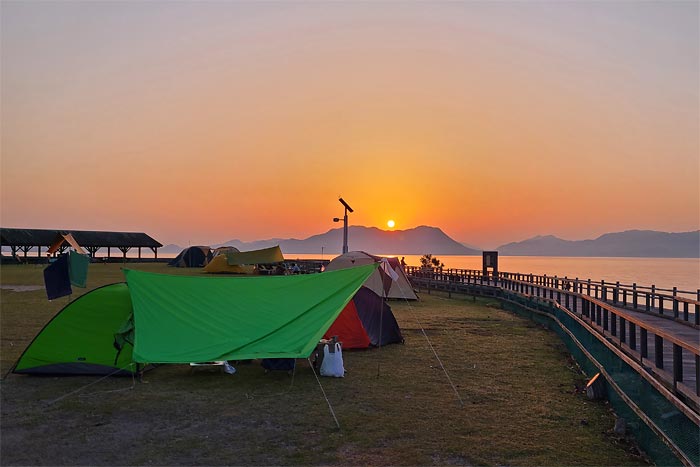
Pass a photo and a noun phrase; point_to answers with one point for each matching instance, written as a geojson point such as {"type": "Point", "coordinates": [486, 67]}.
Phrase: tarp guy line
{"type": "Point", "coordinates": [133, 384]}
{"type": "Point", "coordinates": [454, 388]}
{"type": "Point", "coordinates": [324, 393]}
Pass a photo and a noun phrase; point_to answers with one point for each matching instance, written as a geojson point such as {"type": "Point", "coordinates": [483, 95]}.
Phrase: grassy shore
{"type": "Point", "coordinates": [515, 403]}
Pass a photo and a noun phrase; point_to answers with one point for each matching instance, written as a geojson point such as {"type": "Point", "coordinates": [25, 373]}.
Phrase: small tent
{"type": "Point", "coordinates": [222, 250]}
{"type": "Point", "coordinates": [160, 318]}
{"type": "Point", "coordinates": [378, 282]}
{"type": "Point", "coordinates": [192, 257]}
{"type": "Point", "coordinates": [366, 320]}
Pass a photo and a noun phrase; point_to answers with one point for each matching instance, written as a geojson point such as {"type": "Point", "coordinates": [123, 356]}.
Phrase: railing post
{"type": "Point", "coordinates": [643, 343]}
{"type": "Point", "coordinates": [589, 288]}
{"type": "Point", "coordinates": [605, 319]}
{"type": "Point", "coordinates": [648, 296]}
{"type": "Point", "coordinates": [603, 291]}
{"type": "Point", "coordinates": [677, 364]}
{"type": "Point", "coordinates": [633, 336]}
{"type": "Point", "coordinates": [597, 314]}
{"type": "Point", "coordinates": [613, 324]}
{"type": "Point", "coordinates": [659, 352]}
{"type": "Point", "coordinates": [634, 295]}
{"type": "Point", "coordinates": [623, 329]}
{"type": "Point", "coordinates": [697, 315]}
{"type": "Point", "coordinates": [675, 302]}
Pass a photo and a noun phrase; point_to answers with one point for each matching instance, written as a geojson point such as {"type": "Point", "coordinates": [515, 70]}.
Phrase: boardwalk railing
{"type": "Point", "coordinates": [672, 303]}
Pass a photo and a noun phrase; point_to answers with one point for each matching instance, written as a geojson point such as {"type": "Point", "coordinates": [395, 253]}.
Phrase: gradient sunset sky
{"type": "Point", "coordinates": [200, 122]}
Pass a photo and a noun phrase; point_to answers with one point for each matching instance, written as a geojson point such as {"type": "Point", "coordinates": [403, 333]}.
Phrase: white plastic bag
{"type": "Point", "coordinates": [332, 364]}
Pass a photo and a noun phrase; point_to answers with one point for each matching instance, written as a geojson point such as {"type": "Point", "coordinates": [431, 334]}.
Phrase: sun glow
{"type": "Point", "coordinates": [390, 223]}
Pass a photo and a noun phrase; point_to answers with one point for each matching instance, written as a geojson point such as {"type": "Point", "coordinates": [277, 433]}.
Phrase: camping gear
{"type": "Point", "coordinates": [78, 268]}
{"type": "Point", "coordinates": [332, 364]}
{"type": "Point", "coordinates": [366, 320]}
{"type": "Point", "coordinates": [243, 262]}
{"type": "Point", "coordinates": [184, 319]}
{"type": "Point", "coordinates": [379, 282]}
{"type": "Point", "coordinates": [192, 257]}
{"type": "Point", "coordinates": [57, 278]}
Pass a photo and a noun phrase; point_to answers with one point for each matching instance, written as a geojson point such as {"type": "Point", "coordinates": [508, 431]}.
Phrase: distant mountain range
{"type": "Point", "coordinates": [631, 243]}
{"type": "Point", "coordinates": [424, 239]}
{"type": "Point", "coordinates": [417, 241]}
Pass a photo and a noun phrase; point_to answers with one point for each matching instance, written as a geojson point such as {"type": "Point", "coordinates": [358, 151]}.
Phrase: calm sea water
{"type": "Point", "coordinates": [665, 273]}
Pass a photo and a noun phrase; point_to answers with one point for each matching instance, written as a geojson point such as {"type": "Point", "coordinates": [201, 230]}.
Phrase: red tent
{"type": "Point", "coordinates": [366, 320]}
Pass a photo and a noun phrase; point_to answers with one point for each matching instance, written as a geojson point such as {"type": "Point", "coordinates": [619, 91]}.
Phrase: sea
{"type": "Point", "coordinates": [664, 273]}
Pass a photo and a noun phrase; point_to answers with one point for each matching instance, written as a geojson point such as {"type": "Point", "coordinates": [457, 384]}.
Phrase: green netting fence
{"type": "Point", "coordinates": [665, 433]}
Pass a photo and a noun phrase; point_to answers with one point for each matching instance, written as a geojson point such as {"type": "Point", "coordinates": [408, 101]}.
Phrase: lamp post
{"type": "Point", "coordinates": [345, 224]}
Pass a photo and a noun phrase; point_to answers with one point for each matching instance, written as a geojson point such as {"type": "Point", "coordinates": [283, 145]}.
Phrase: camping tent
{"type": "Point", "coordinates": [378, 282]}
{"type": "Point", "coordinates": [192, 257]}
{"type": "Point", "coordinates": [366, 320]}
{"type": "Point", "coordinates": [222, 250]}
{"type": "Point", "coordinates": [243, 262]}
{"type": "Point", "coordinates": [159, 318]}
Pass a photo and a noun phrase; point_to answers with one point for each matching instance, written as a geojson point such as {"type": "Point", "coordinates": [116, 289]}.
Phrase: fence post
{"type": "Point", "coordinates": [643, 344]}
{"type": "Point", "coordinates": [633, 336]}
{"type": "Point", "coordinates": [634, 295]}
{"type": "Point", "coordinates": [677, 364]}
{"type": "Point", "coordinates": [675, 302]}
{"type": "Point", "coordinates": [659, 351]}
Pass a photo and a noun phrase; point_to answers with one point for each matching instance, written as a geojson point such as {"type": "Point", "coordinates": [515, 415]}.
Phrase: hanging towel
{"type": "Point", "coordinates": [78, 268]}
{"type": "Point", "coordinates": [57, 278]}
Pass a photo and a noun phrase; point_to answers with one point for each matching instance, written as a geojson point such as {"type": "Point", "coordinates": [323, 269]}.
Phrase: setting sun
{"type": "Point", "coordinates": [390, 223]}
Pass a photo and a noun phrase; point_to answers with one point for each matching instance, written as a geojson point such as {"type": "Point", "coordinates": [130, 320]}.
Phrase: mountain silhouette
{"type": "Point", "coordinates": [416, 241]}
{"type": "Point", "coordinates": [630, 243]}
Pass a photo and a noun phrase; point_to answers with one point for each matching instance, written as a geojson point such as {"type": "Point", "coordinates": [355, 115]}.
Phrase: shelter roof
{"type": "Point", "coordinates": [86, 238]}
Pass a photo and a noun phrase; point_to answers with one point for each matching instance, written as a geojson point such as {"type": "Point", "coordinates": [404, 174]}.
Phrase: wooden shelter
{"type": "Point", "coordinates": [24, 240]}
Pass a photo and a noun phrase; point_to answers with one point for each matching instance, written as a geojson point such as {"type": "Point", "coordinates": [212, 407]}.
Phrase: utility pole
{"type": "Point", "coordinates": [345, 224]}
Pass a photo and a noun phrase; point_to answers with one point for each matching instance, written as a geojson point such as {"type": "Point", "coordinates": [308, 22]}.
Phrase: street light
{"type": "Point", "coordinates": [345, 224]}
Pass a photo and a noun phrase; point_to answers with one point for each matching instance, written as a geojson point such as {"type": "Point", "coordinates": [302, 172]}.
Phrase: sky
{"type": "Point", "coordinates": [201, 122]}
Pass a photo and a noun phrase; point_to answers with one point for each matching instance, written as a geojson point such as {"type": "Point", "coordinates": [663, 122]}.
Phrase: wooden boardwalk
{"type": "Point", "coordinates": [657, 331]}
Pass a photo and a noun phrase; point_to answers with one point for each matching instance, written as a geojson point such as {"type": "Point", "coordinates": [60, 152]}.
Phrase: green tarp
{"type": "Point", "coordinates": [181, 319]}
{"type": "Point", "coordinates": [184, 319]}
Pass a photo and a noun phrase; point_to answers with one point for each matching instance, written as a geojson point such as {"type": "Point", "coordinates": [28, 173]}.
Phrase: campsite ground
{"type": "Point", "coordinates": [518, 389]}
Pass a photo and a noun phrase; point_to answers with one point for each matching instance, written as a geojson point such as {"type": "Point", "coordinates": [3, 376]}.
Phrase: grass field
{"type": "Point", "coordinates": [395, 406]}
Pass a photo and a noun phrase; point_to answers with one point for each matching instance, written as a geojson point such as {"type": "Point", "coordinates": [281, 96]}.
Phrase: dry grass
{"type": "Point", "coordinates": [395, 406]}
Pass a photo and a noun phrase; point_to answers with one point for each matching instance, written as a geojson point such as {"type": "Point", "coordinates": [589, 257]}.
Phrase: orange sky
{"type": "Point", "coordinates": [203, 122]}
